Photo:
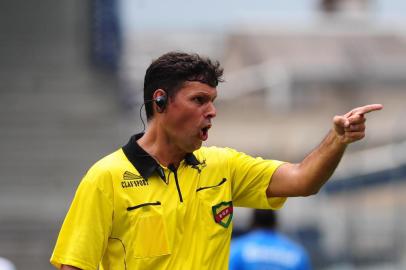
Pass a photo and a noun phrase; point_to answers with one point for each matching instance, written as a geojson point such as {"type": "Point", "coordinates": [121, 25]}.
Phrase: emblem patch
{"type": "Point", "coordinates": [223, 213]}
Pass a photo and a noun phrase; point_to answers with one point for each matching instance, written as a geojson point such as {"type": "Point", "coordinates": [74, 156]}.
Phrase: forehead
{"type": "Point", "coordinates": [192, 88]}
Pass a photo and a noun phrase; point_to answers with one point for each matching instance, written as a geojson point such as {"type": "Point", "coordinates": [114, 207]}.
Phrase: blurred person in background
{"type": "Point", "coordinates": [6, 264]}
{"type": "Point", "coordinates": [163, 201]}
{"type": "Point", "coordinates": [265, 248]}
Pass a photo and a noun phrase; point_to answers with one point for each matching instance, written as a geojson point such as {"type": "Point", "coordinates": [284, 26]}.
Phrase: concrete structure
{"type": "Point", "coordinates": [58, 114]}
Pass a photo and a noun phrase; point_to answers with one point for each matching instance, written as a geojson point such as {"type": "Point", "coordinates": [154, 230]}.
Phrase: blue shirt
{"type": "Point", "coordinates": [267, 250]}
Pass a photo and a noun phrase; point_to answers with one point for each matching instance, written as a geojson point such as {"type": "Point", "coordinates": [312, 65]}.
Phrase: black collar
{"type": "Point", "coordinates": [144, 163]}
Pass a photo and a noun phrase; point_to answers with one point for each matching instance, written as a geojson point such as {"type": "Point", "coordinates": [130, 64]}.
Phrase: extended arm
{"type": "Point", "coordinates": [307, 177]}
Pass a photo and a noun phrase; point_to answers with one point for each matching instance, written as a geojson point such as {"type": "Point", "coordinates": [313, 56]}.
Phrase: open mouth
{"type": "Point", "coordinates": [204, 133]}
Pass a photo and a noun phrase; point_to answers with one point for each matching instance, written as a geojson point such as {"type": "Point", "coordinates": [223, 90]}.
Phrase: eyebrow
{"type": "Point", "coordinates": [204, 94]}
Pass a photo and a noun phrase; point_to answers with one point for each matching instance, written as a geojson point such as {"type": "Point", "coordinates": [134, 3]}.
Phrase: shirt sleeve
{"type": "Point", "coordinates": [87, 226]}
{"type": "Point", "coordinates": [250, 179]}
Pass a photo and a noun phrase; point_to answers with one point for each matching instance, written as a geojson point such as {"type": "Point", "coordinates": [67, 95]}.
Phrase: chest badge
{"type": "Point", "coordinates": [223, 213]}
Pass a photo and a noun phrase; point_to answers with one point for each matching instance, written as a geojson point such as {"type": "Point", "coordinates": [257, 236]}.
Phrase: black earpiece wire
{"type": "Point", "coordinates": [143, 104]}
{"type": "Point", "coordinates": [142, 120]}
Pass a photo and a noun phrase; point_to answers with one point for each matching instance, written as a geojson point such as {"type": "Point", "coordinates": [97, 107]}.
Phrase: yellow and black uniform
{"type": "Point", "coordinates": [129, 212]}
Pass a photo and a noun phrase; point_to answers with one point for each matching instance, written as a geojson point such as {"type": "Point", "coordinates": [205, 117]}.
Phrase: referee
{"type": "Point", "coordinates": [163, 201]}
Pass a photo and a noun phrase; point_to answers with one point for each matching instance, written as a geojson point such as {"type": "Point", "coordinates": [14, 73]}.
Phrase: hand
{"type": "Point", "coordinates": [350, 127]}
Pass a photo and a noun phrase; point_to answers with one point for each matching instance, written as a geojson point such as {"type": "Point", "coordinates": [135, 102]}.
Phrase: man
{"type": "Point", "coordinates": [163, 201]}
{"type": "Point", "coordinates": [266, 248]}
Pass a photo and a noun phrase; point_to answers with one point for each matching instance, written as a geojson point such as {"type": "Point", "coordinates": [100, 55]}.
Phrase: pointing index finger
{"type": "Point", "coordinates": [367, 109]}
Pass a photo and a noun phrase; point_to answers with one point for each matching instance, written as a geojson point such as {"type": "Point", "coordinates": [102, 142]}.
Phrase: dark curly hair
{"type": "Point", "coordinates": [170, 71]}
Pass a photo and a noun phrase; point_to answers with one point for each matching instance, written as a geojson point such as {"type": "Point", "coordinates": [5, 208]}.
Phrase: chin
{"type": "Point", "coordinates": [195, 147]}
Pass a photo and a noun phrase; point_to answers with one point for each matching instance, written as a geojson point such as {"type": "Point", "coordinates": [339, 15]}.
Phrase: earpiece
{"type": "Point", "coordinates": [161, 102]}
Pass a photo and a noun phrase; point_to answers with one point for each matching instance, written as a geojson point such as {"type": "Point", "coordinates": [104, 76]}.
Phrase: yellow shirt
{"type": "Point", "coordinates": [131, 213]}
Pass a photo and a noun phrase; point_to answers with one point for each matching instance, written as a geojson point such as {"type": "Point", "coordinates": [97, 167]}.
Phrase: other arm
{"type": "Point", "coordinates": [307, 177]}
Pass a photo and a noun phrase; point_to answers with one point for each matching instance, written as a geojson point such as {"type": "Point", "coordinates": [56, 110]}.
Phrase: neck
{"type": "Point", "coordinates": [159, 146]}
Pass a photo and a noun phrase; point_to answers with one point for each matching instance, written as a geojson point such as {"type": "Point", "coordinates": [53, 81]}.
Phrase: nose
{"type": "Point", "coordinates": [211, 110]}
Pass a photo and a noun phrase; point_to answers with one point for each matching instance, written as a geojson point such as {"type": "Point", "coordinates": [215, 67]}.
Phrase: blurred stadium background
{"type": "Point", "coordinates": [70, 89]}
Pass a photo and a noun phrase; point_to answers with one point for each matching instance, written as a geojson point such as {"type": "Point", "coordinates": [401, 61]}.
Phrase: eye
{"type": "Point", "coordinates": [199, 100]}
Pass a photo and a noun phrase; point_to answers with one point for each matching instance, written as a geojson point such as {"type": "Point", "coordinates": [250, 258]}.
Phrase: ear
{"type": "Point", "coordinates": [160, 100]}
{"type": "Point", "coordinates": [158, 92]}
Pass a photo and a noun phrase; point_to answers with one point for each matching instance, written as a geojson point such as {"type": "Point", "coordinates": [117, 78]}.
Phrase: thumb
{"type": "Point", "coordinates": [340, 123]}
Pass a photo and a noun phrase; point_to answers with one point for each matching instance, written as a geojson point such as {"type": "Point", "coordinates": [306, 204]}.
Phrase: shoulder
{"type": "Point", "coordinates": [238, 243]}
{"type": "Point", "coordinates": [215, 152]}
{"type": "Point", "coordinates": [241, 243]}
{"type": "Point", "coordinates": [244, 239]}
{"type": "Point", "coordinates": [110, 161]}
{"type": "Point", "coordinates": [103, 169]}
{"type": "Point", "coordinates": [289, 243]}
